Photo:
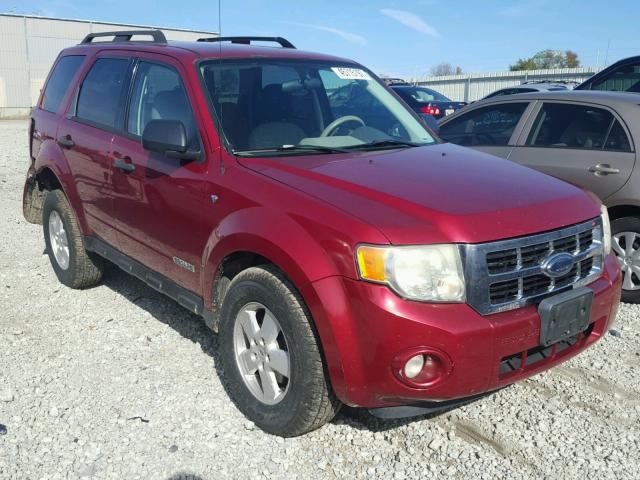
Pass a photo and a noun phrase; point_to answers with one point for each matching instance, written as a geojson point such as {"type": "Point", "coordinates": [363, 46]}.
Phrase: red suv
{"type": "Point", "coordinates": [343, 252]}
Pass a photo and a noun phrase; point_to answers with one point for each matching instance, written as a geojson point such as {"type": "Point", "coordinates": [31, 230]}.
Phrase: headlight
{"type": "Point", "coordinates": [606, 230]}
{"type": "Point", "coordinates": [426, 272]}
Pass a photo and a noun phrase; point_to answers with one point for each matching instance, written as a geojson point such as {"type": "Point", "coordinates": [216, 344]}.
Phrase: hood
{"type": "Point", "coordinates": [434, 194]}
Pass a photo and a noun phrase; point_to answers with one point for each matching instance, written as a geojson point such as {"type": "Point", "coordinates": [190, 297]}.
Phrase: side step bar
{"type": "Point", "coordinates": [189, 300]}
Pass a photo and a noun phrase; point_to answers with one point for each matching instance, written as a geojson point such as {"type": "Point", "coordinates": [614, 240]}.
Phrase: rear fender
{"type": "Point", "coordinates": [51, 157]}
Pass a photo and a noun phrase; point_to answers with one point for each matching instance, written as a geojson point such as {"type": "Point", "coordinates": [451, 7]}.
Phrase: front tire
{"type": "Point", "coordinates": [73, 265]}
{"type": "Point", "coordinates": [625, 242]}
{"type": "Point", "coordinates": [271, 359]}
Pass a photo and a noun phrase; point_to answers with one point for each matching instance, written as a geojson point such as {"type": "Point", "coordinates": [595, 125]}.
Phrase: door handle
{"type": "Point", "coordinates": [66, 142]}
{"type": "Point", "coordinates": [603, 169]}
{"type": "Point", "coordinates": [122, 164]}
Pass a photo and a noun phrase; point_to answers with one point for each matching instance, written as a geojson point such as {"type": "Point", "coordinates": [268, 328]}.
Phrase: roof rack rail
{"type": "Point", "coordinates": [284, 43]}
{"type": "Point", "coordinates": [126, 35]}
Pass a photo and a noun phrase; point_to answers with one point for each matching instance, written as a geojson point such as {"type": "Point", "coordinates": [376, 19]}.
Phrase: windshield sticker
{"type": "Point", "coordinates": [350, 73]}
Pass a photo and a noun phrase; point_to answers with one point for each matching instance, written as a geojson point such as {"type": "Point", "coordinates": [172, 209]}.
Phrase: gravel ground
{"type": "Point", "coordinates": [119, 382]}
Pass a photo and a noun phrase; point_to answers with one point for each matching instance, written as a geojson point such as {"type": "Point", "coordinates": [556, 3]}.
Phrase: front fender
{"type": "Point", "coordinates": [275, 236]}
{"type": "Point", "coordinates": [297, 252]}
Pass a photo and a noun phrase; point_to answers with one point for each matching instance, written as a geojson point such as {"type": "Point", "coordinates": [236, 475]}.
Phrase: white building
{"type": "Point", "coordinates": [30, 44]}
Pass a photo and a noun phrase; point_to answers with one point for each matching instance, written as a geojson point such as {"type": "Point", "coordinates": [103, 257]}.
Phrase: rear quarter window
{"type": "Point", "coordinates": [60, 80]}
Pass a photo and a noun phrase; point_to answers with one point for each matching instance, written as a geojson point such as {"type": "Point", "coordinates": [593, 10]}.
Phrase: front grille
{"type": "Point", "coordinates": [509, 274]}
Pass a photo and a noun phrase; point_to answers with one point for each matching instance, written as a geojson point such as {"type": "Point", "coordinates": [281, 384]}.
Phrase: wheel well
{"type": "Point", "coordinates": [236, 262]}
{"type": "Point", "coordinates": [230, 266]}
{"type": "Point", "coordinates": [47, 180]}
{"type": "Point", "coordinates": [35, 189]}
{"type": "Point", "coordinates": [620, 211]}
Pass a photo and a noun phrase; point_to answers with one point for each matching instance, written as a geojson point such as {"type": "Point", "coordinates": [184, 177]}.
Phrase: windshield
{"type": "Point", "coordinates": [284, 106]}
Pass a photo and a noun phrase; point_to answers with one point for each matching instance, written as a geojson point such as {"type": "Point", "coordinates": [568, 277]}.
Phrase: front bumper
{"type": "Point", "coordinates": [364, 326]}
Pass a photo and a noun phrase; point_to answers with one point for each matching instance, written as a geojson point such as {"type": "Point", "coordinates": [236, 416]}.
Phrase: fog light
{"type": "Point", "coordinates": [421, 367]}
{"type": "Point", "coordinates": [432, 368]}
{"type": "Point", "coordinates": [414, 366]}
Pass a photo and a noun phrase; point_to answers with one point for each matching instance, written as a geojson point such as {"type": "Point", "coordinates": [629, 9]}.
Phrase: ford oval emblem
{"type": "Point", "coordinates": [557, 264]}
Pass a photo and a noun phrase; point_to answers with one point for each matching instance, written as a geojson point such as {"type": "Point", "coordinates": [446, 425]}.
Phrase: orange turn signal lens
{"type": "Point", "coordinates": [371, 263]}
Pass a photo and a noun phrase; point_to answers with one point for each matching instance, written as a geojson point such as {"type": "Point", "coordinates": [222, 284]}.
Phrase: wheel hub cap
{"type": "Point", "coordinates": [58, 240]}
{"type": "Point", "coordinates": [626, 246]}
{"type": "Point", "coordinates": [261, 353]}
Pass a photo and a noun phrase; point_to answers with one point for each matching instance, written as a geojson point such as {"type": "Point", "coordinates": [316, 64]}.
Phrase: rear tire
{"type": "Point", "coordinates": [625, 241]}
{"type": "Point", "coordinates": [73, 265]}
{"type": "Point", "coordinates": [263, 318]}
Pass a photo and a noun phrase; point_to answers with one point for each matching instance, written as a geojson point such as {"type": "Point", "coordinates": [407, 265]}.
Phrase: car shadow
{"type": "Point", "coordinates": [185, 476]}
{"type": "Point", "coordinates": [193, 328]}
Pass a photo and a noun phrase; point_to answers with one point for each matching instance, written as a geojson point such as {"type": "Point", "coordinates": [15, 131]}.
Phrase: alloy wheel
{"type": "Point", "coordinates": [58, 240]}
{"type": "Point", "coordinates": [626, 246]}
{"type": "Point", "coordinates": [261, 353]}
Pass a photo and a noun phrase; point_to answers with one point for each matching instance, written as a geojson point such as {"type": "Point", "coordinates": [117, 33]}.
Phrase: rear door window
{"type": "Point", "coordinates": [577, 126]}
{"type": "Point", "coordinates": [491, 126]}
{"type": "Point", "coordinates": [60, 80]}
{"type": "Point", "coordinates": [101, 93]}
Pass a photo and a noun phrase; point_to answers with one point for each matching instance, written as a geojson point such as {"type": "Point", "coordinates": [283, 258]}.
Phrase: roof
{"type": "Point", "coordinates": [203, 50]}
{"type": "Point", "coordinates": [222, 49]}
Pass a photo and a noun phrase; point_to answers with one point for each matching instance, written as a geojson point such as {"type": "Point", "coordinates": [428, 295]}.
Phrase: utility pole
{"type": "Point", "coordinates": [606, 57]}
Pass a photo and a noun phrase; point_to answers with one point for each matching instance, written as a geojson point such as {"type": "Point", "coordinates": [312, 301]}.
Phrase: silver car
{"type": "Point", "coordinates": [587, 138]}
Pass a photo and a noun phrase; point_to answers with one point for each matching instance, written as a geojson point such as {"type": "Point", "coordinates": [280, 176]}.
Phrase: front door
{"type": "Point", "coordinates": [582, 144]}
{"type": "Point", "coordinates": [158, 201]}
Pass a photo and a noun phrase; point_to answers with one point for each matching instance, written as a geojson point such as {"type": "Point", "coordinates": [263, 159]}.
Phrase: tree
{"type": "Point", "coordinates": [572, 59]}
{"type": "Point", "coordinates": [445, 69]}
{"type": "Point", "coordinates": [547, 59]}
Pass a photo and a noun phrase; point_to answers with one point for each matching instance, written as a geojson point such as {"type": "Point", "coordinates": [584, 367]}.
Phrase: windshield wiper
{"type": "Point", "coordinates": [293, 148]}
{"type": "Point", "coordinates": [387, 142]}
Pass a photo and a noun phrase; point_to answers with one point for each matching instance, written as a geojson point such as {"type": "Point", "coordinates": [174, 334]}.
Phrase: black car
{"type": "Point", "coordinates": [622, 76]}
{"type": "Point", "coordinates": [426, 101]}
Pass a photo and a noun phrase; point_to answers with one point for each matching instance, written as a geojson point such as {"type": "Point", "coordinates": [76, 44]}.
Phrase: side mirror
{"type": "Point", "coordinates": [168, 137]}
{"type": "Point", "coordinates": [431, 122]}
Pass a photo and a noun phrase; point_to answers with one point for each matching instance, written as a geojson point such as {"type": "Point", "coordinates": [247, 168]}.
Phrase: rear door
{"type": "Point", "coordinates": [492, 128]}
{"type": "Point", "coordinates": [587, 145]}
{"type": "Point", "coordinates": [85, 135]}
{"type": "Point", "coordinates": [159, 201]}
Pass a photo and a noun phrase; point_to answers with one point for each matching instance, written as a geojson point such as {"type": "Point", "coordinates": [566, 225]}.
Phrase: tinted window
{"type": "Point", "coordinates": [617, 139]}
{"type": "Point", "coordinates": [574, 126]}
{"type": "Point", "coordinates": [59, 81]}
{"type": "Point", "coordinates": [159, 94]}
{"type": "Point", "coordinates": [101, 91]}
{"type": "Point", "coordinates": [492, 125]}
{"type": "Point", "coordinates": [625, 78]}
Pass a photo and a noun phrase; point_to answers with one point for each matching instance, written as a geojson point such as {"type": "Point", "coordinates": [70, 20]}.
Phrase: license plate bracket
{"type": "Point", "coordinates": [563, 316]}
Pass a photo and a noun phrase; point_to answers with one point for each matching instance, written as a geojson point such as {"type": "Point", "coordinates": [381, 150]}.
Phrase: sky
{"type": "Point", "coordinates": [397, 38]}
